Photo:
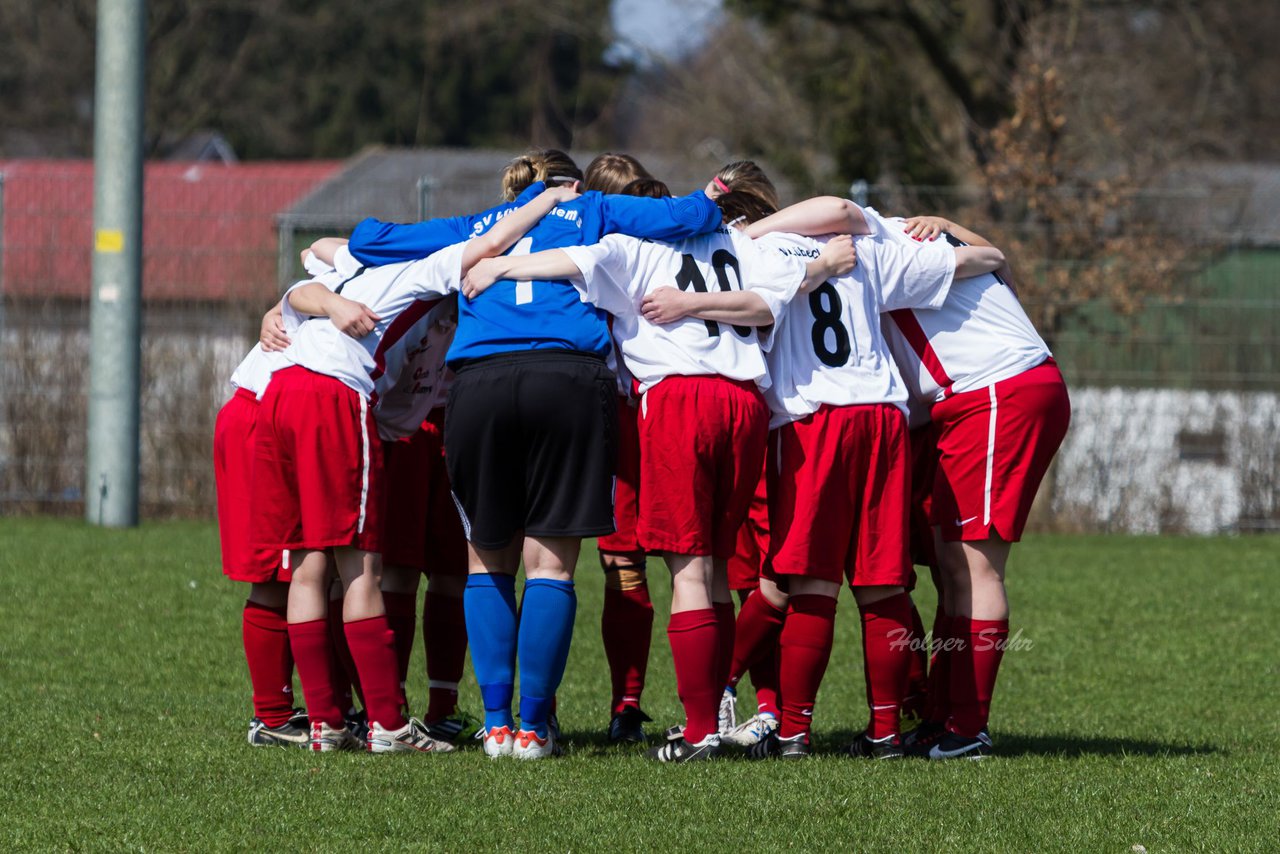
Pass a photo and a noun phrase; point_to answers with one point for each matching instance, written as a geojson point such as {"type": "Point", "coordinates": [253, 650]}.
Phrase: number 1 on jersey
{"type": "Point", "coordinates": [524, 287]}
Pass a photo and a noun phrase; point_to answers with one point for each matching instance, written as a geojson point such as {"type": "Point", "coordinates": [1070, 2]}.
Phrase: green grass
{"type": "Point", "coordinates": [1143, 714]}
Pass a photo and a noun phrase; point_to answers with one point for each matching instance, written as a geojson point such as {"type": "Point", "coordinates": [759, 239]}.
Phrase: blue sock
{"type": "Point", "coordinates": [546, 628]}
{"type": "Point", "coordinates": [490, 606]}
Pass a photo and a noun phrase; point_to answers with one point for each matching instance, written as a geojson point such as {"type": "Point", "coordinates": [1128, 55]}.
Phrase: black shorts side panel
{"type": "Point", "coordinates": [531, 443]}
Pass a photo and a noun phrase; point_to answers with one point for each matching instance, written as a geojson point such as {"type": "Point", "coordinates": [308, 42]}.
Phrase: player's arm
{"type": "Point", "coordinates": [813, 217]}
{"type": "Point", "coordinates": [931, 227]}
{"type": "Point", "coordinates": [745, 308]}
{"type": "Point", "coordinates": [660, 219]}
{"type": "Point", "coordinates": [324, 249]}
{"type": "Point", "coordinates": [548, 265]}
{"type": "Point", "coordinates": [272, 334]}
{"type": "Point", "coordinates": [513, 226]}
{"type": "Point", "coordinates": [314, 299]}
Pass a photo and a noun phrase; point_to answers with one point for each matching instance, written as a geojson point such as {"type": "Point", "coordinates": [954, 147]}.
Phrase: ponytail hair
{"type": "Point", "coordinates": [537, 164]}
{"type": "Point", "coordinates": [740, 205]}
{"type": "Point", "coordinates": [747, 176]}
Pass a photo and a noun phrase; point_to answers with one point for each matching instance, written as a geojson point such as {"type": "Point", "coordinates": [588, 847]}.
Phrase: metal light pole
{"type": "Point", "coordinates": [111, 470]}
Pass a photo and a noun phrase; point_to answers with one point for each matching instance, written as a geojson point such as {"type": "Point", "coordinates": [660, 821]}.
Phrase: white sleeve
{"type": "Point", "coordinates": [437, 275]}
{"type": "Point", "coordinates": [916, 276]}
{"type": "Point", "coordinates": [770, 273]}
{"type": "Point", "coordinates": [345, 263]}
{"type": "Point", "coordinates": [315, 267]}
{"type": "Point", "coordinates": [293, 318]}
{"type": "Point", "coordinates": [607, 272]}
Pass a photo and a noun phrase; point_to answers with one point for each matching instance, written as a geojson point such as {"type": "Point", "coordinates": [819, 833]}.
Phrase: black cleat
{"type": "Point", "coordinates": [294, 732]}
{"type": "Point", "coordinates": [627, 726]}
{"type": "Point", "coordinates": [864, 747]}
{"type": "Point", "coordinates": [952, 746]}
{"type": "Point", "coordinates": [774, 746]}
{"type": "Point", "coordinates": [927, 732]}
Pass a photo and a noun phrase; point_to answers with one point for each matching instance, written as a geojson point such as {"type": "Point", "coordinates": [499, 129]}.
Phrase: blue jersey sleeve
{"type": "Point", "coordinates": [374, 242]}
{"type": "Point", "coordinates": [659, 219]}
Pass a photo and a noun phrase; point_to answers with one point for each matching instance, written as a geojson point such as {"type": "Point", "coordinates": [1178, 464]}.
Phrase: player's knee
{"type": "Point", "coordinates": [626, 577]}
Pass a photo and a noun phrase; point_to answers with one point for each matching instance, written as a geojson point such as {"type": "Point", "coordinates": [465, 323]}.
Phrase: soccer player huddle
{"type": "Point", "coordinates": [776, 401]}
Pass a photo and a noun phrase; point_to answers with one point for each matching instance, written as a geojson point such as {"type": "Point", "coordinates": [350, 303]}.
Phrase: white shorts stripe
{"type": "Point", "coordinates": [991, 457]}
{"type": "Point", "coordinates": [364, 472]}
{"type": "Point", "coordinates": [462, 514]}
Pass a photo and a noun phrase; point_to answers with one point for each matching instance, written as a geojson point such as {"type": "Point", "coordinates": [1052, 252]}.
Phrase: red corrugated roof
{"type": "Point", "coordinates": [209, 230]}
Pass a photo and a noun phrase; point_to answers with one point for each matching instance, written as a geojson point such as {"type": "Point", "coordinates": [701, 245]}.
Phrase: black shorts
{"type": "Point", "coordinates": [531, 445]}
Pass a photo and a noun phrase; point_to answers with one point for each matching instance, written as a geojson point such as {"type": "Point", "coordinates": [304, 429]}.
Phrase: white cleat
{"type": "Point", "coordinates": [530, 745]}
{"type": "Point", "coordinates": [499, 741]}
{"type": "Point", "coordinates": [752, 731]}
{"type": "Point", "coordinates": [410, 738]}
{"type": "Point", "coordinates": [325, 738]}
{"type": "Point", "coordinates": [728, 711]}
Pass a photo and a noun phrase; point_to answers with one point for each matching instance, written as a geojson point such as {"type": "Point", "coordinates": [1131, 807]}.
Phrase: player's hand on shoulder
{"type": "Point", "coordinates": [927, 227]}
{"type": "Point", "coordinates": [840, 255]}
{"type": "Point", "coordinates": [665, 305]}
{"type": "Point", "coordinates": [482, 274]}
{"type": "Point", "coordinates": [354, 318]}
{"type": "Point", "coordinates": [272, 334]}
{"type": "Point", "coordinates": [560, 193]}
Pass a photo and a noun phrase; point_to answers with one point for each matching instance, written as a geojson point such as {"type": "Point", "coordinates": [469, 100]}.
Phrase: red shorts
{"type": "Point", "coordinates": [626, 486]}
{"type": "Point", "coordinates": [753, 540]}
{"type": "Point", "coordinates": [233, 433]}
{"type": "Point", "coordinates": [317, 467]}
{"type": "Point", "coordinates": [994, 447]}
{"type": "Point", "coordinates": [839, 482]}
{"type": "Point", "coordinates": [702, 443]}
{"type": "Point", "coordinates": [420, 524]}
{"type": "Point", "coordinates": [924, 463]}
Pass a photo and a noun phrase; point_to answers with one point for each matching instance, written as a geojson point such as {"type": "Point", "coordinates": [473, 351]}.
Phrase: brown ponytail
{"type": "Point", "coordinates": [741, 205]}
{"type": "Point", "coordinates": [746, 176]}
{"type": "Point", "coordinates": [536, 164]}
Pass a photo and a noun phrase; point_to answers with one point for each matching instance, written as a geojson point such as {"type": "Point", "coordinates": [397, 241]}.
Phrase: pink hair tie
{"type": "Point", "coordinates": [724, 188]}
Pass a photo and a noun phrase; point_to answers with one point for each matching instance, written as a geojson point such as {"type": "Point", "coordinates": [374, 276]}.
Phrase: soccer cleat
{"type": "Point", "coordinates": [753, 730]}
{"type": "Point", "coordinates": [774, 746]}
{"type": "Point", "coordinates": [728, 717]}
{"type": "Point", "coordinates": [530, 745]}
{"type": "Point", "coordinates": [498, 741]}
{"type": "Point", "coordinates": [952, 746]}
{"type": "Point", "coordinates": [678, 750]}
{"type": "Point", "coordinates": [928, 732]}
{"type": "Point", "coordinates": [358, 723]}
{"type": "Point", "coordinates": [673, 733]}
{"type": "Point", "coordinates": [864, 747]}
{"type": "Point", "coordinates": [627, 726]}
{"type": "Point", "coordinates": [410, 738]}
{"type": "Point", "coordinates": [288, 734]}
{"type": "Point", "coordinates": [453, 727]}
{"type": "Point", "coordinates": [325, 738]}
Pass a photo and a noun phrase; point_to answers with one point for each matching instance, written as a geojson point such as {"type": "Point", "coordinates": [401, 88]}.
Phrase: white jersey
{"type": "Point", "coordinates": [828, 347]}
{"type": "Point", "coordinates": [979, 336]}
{"type": "Point", "coordinates": [397, 366]}
{"type": "Point", "coordinates": [619, 271]}
{"type": "Point", "coordinates": [254, 372]}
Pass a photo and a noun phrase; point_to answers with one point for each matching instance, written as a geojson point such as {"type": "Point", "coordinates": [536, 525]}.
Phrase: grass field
{"type": "Point", "coordinates": [1143, 713]}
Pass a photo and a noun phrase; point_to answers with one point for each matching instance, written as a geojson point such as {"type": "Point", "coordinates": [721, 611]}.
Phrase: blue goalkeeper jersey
{"type": "Point", "coordinates": [536, 315]}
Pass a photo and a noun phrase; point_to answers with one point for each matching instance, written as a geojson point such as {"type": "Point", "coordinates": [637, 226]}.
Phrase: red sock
{"type": "Point", "coordinates": [937, 709]}
{"type": "Point", "coordinates": [725, 633]}
{"type": "Point", "coordinates": [373, 647]}
{"type": "Point", "coordinates": [626, 626]}
{"type": "Point", "coordinates": [693, 650]}
{"type": "Point", "coordinates": [756, 635]}
{"type": "Point", "coordinates": [402, 611]}
{"type": "Point", "coordinates": [346, 680]}
{"type": "Point", "coordinates": [444, 632]}
{"type": "Point", "coordinates": [913, 704]}
{"type": "Point", "coordinates": [973, 673]}
{"type": "Point", "coordinates": [312, 652]}
{"type": "Point", "coordinates": [886, 659]}
{"type": "Point", "coordinates": [805, 645]}
{"type": "Point", "coordinates": [764, 678]}
{"type": "Point", "coordinates": [266, 649]}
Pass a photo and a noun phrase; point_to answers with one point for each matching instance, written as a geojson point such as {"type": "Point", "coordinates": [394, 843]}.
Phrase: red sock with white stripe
{"type": "Point", "coordinates": [725, 634]}
{"type": "Point", "coordinates": [373, 648]}
{"type": "Point", "coordinates": [973, 673]}
{"type": "Point", "coordinates": [764, 678]}
{"type": "Point", "coordinates": [266, 649]}
{"type": "Point", "coordinates": [626, 627]}
{"type": "Point", "coordinates": [313, 655]}
{"type": "Point", "coordinates": [444, 632]}
{"type": "Point", "coordinates": [694, 649]}
{"type": "Point", "coordinates": [807, 637]}
{"type": "Point", "coordinates": [402, 611]}
{"type": "Point", "coordinates": [756, 635]}
{"type": "Point", "coordinates": [886, 659]}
